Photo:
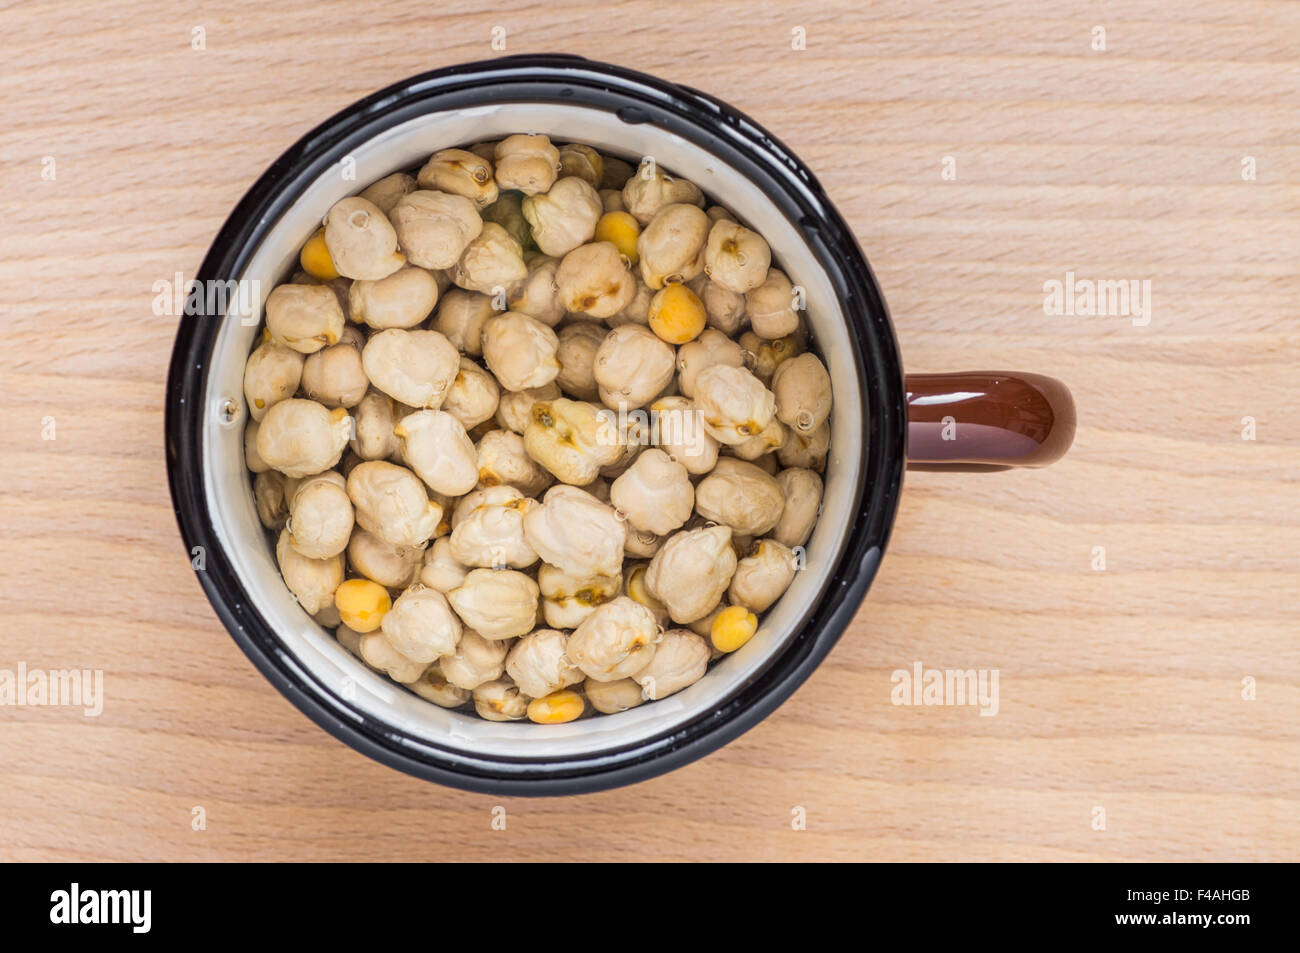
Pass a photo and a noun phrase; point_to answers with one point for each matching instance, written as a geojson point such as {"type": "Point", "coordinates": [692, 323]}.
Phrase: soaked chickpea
{"type": "Point", "coordinates": [594, 279]}
{"type": "Point", "coordinates": [460, 172]}
{"type": "Point", "coordinates": [362, 242]}
{"type": "Point", "coordinates": [672, 246]}
{"type": "Point", "coordinates": [564, 217]}
{"type": "Point", "coordinates": [460, 318]}
{"type": "Point", "coordinates": [538, 295]}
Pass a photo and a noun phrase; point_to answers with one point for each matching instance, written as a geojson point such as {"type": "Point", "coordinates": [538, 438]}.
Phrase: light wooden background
{"type": "Point", "coordinates": [1120, 688]}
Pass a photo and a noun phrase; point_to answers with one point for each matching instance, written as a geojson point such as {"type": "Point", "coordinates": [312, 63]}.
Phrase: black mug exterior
{"type": "Point", "coordinates": [635, 98]}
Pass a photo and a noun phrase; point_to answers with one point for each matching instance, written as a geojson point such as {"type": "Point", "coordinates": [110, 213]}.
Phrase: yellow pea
{"type": "Point", "coordinates": [622, 230]}
{"type": "Point", "coordinates": [556, 708]}
{"type": "Point", "coordinates": [315, 258]}
{"type": "Point", "coordinates": [732, 628]}
{"type": "Point", "coordinates": [362, 604]}
{"type": "Point", "coordinates": [677, 315]}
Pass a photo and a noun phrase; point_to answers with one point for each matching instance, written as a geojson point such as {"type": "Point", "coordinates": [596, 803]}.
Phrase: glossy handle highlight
{"type": "Point", "coordinates": [987, 420]}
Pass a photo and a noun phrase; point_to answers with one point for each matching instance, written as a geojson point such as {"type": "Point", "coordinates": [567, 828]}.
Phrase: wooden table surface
{"type": "Point", "coordinates": [1120, 688]}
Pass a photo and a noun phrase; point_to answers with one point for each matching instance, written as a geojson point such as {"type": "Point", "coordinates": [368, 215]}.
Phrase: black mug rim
{"type": "Point", "coordinates": [636, 98]}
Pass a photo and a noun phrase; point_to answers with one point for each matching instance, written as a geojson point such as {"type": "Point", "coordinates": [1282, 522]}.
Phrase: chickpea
{"type": "Point", "coordinates": [254, 463]}
{"type": "Point", "coordinates": [492, 536]}
{"type": "Point", "coordinates": [616, 641]}
{"type": "Point", "coordinates": [572, 439]}
{"type": "Point", "coordinates": [527, 163]}
{"type": "Point", "coordinates": [703, 626]}
{"type": "Point", "coordinates": [460, 318]}
{"type": "Point", "coordinates": [268, 497]}
{"type": "Point", "coordinates": [402, 300]}
{"type": "Point", "coordinates": [806, 451]}
{"type": "Point", "coordinates": [515, 409]}
{"type": "Point", "coordinates": [770, 438]}
{"type": "Point", "coordinates": [564, 217]}
{"type": "Point", "coordinates": [485, 150]}
{"type": "Point", "coordinates": [594, 280]}
{"type": "Point", "coordinates": [631, 440]}
{"type": "Point", "coordinates": [770, 307]}
{"type": "Point", "coordinates": [766, 356]}
{"type": "Point", "coordinates": [578, 343]}
{"type": "Point", "coordinates": [320, 516]}
{"type": "Point", "coordinates": [435, 445]}
{"type": "Point", "coordinates": [421, 625]}
{"type": "Point", "coordinates": [305, 318]}
{"type": "Point", "coordinates": [672, 245]}
{"type": "Point", "coordinates": [732, 628]}
{"type": "Point", "coordinates": [680, 660]}
{"type": "Point", "coordinates": [460, 173]}
{"type": "Point", "coordinates": [616, 173]}
{"type": "Point", "coordinates": [496, 603]}
{"type": "Point", "coordinates": [632, 366]}
{"type": "Point", "coordinates": [301, 437]}
{"type": "Point", "coordinates": [374, 417]}
{"type": "Point", "coordinates": [537, 295]}
{"type": "Point", "coordinates": [500, 700]}
{"type": "Point", "coordinates": [575, 531]}
{"type": "Point", "coordinates": [502, 458]}
{"type": "Point", "coordinates": [655, 494]}
{"type": "Point", "coordinates": [361, 240]}
{"type": "Point", "coordinates": [735, 257]}
{"type": "Point", "coordinates": [691, 571]}
{"type": "Point", "coordinates": [683, 436]}
{"type": "Point", "coordinates": [475, 661]}
{"type": "Point", "coordinates": [538, 665]}
{"type": "Point", "coordinates": [635, 588]}
{"type": "Point", "coordinates": [328, 618]}
{"type": "Point", "coordinates": [487, 496]}
{"type": "Point", "coordinates": [413, 367]}
{"type": "Point", "coordinates": [377, 652]}
{"type": "Point", "coordinates": [436, 228]}
{"type": "Point", "coordinates": [433, 686]}
{"type": "Point", "coordinates": [391, 502]}
{"type": "Point", "coordinates": [490, 263]}
{"type": "Point", "coordinates": [734, 403]}
{"type": "Point", "coordinates": [612, 201]}
{"type": "Point", "coordinates": [762, 577]}
{"type": "Point", "coordinates": [440, 570]}
{"type": "Point", "coordinates": [649, 191]}
{"type": "Point", "coordinates": [803, 393]}
{"type": "Point", "coordinates": [520, 351]}
{"type": "Point", "coordinates": [724, 307]}
{"type": "Point", "coordinates": [636, 311]}
{"type": "Point", "coordinates": [642, 545]}
{"type": "Point", "coordinates": [621, 230]}
{"type": "Point", "coordinates": [567, 598]}
{"type": "Point", "coordinates": [333, 376]}
{"type": "Point", "coordinates": [802, 489]}
{"type": "Point", "coordinates": [312, 581]}
{"type": "Point", "coordinates": [612, 697]}
{"type": "Point", "coordinates": [473, 395]}
{"type": "Point", "coordinates": [393, 567]}
{"type": "Point", "coordinates": [583, 161]}
{"type": "Point", "coordinates": [361, 604]}
{"type": "Point", "coordinates": [508, 212]}
{"type": "Point", "coordinates": [271, 375]}
{"type": "Point", "coordinates": [740, 495]}
{"type": "Point", "coordinates": [386, 192]}
{"type": "Point", "coordinates": [710, 348]}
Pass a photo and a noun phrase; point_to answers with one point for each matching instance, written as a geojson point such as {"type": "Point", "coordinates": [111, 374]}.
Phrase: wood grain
{"type": "Point", "coordinates": [1119, 689]}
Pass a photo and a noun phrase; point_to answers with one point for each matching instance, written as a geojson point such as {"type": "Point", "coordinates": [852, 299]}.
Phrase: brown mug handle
{"type": "Point", "coordinates": [987, 420]}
